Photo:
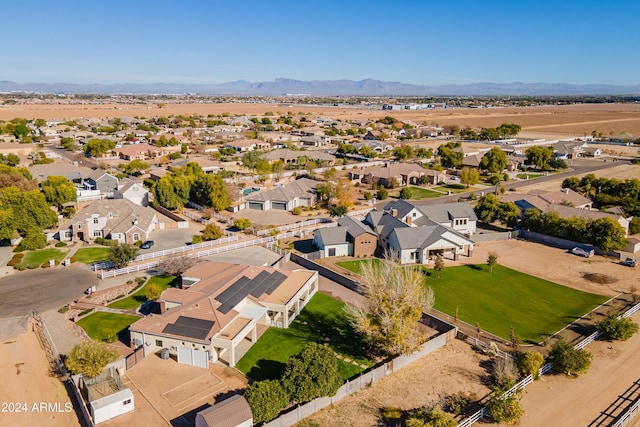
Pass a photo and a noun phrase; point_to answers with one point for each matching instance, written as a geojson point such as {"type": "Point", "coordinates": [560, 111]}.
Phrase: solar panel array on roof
{"type": "Point", "coordinates": [189, 327]}
{"type": "Point", "coordinates": [262, 283]}
{"type": "Point", "coordinates": [233, 294]}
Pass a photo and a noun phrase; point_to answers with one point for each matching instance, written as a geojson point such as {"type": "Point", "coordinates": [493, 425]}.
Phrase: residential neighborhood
{"type": "Point", "coordinates": [229, 255]}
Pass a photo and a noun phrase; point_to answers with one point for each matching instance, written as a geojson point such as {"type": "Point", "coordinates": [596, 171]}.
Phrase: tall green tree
{"type": "Point", "coordinates": [469, 176]}
{"type": "Point", "coordinates": [488, 208]}
{"type": "Point", "coordinates": [617, 329]}
{"type": "Point", "coordinates": [568, 360]}
{"type": "Point", "coordinates": [29, 211]}
{"type": "Point", "coordinates": [266, 399]}
{"type": "Point", "coordinates": [210, 190]}
{"type": "Point", "coordinates": [90, 358]}
{"type": "Point", "coordinates": [98, 147]}
{"type": "Point", "coordinates": [58, 190]}
{"type": "Point", "coordinates": [494, 160]}
{"type": "Point", "coordinates": [312, 373]}
{"type": "Point", "coordinates": [122, 254]}
{"type": "Point", "coordinates": [539, 156]}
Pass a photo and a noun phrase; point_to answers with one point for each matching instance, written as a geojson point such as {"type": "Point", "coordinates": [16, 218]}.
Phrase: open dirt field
{"type": "Point", "coordinates": [579, 119]}
{"type": "Point", "coordinates": [621, 172]}
{"type": "Point", "coordinates": [455, 368]}
{"type": "Point", "coordinates": [25, 381]}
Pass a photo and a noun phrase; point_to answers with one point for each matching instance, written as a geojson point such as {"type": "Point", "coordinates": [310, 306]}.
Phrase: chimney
{"type": "Point", "coordinates": [394, 212]}
{"type": "Point", "coordinates": [409, 220]}
{"type": "Point", "coordinates": [566, 191]}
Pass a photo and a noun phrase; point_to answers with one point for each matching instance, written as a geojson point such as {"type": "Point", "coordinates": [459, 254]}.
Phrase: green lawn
{"type": "Point", "coordinates": [323, 314]}
{"type": "Point", "coordinates": [43, 255]}
{"type": "Point", "coordinates": [136, 299]}
{"type": "Point", "coordinates": [454, 188]}
{"type": "Point", "coordinates": [534, 307]}
{"type": "Point", "coordinates": [418, 193]}
{"type": "Point", "coordinates": [91, 255]}
{"type": "Point", "coordinates": [528, 175]}
{"type": "Point", "coordinates": [354, 266]}
{"type": "Point", "coordinates": [100, 325]}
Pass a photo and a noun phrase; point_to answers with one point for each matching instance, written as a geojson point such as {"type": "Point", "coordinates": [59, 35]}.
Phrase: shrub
{"type": "Point", "coordinates": [112, 337]}
{"type": "Point", "coordinates": [530, 362]}
{"type": "Point", "coordinates": [17, 258]}
{"type": "Point", "coordinates": [83, 312]}
{"type": "Point", "coordinates": [456, 404]}
{"type": "Point", "coordinates": [296, 211]}
{"type": "Point", "coordinates": [504, 373]}
{"type": "Point", "coordinates": [32, 241]}
{"type": "Point", "coordinates": [140, 280]}
{"type": "Point", "coordinates": [567, 360]}
{"type": "Point", "coordinates": [33, 265]}
{"type": "Point", "coordinates": [507, 411]}
{"type": "Point", "coordinates": [64, 309]}
{"type": "Point", "coordinates": [494, 180]}
{"type": "Point", "coordinates": [21, 266]}
{"type": "Point", "coordinates": [266, 399]}
{"type": "Point", "coordinates": [382, 193]}
{"type": "Point", "coordinates": [368, 196]}
{"type": "Point", "coordinates": [430, 417]}
{"type": "Point", "coordinates": [196, 239]}
{"type": "Point", "coordinates": [60, 245]}
{"type": "Point", "coordinates": [72, 259]}
{"type": "Point", "coordinates": [45, 265]}
{"type": "Point", "coordinates": [617, 329]}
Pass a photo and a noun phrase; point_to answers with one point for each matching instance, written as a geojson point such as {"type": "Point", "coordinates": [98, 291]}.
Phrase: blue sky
{"type": "Point", "coordinates": [420, 42]}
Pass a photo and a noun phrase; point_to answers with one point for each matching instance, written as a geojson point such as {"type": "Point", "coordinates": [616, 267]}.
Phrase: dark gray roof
{"type": "Point", "coordinates": [263, 283]}
{"type": "Point", "coordinates": [422, 237]}
{"type": "Point", "coordinates": [383, 223]}
{"type": "Point", "coordinates": [402, 206]}
{"type": "Point", "coordinates": [189, 327]}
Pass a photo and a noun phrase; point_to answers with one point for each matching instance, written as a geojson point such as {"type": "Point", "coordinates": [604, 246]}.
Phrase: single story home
{"type": "Point", "coordinates": [232, 412]}
{"type": "Point", "coordinates": [299, 193]}
{"type": "Point", "coordinates": [217, 312]}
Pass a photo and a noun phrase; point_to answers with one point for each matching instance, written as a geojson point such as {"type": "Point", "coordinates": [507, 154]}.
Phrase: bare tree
{"type": "Point", "coordinates": [439, 265]}
{"type": "Point", "coordinates": [177, 265]}
{"type": "Point", "coordinates": [395, 298]}
{"type": "Point", "coordinates": [492, 260]}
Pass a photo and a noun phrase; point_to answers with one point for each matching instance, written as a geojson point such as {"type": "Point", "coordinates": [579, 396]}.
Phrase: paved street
{"type": "Point", "coordinates": [43, 289]}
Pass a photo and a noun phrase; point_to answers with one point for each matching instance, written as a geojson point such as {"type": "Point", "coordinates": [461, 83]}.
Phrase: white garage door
{"type": "Point", "coordinates": [281, 206]}
{"type": "Point", "coordinates": [254, 205]}
{"type": "Point", "coordinates": [193, 357]}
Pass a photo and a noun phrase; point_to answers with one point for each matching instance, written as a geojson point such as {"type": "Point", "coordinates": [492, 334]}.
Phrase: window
{"type": "Point", "coordinates": [95, 220]}
{"type": "Point", "coordinates": [126, 402]}
{"type": "Point", "coordinates": [158, 343]}
{"type": "Point", "coordinates": [97, 233]}
{"type": "Point", "coordinates": [332, 251]}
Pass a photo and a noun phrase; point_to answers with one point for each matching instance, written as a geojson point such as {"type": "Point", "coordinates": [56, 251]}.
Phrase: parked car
{"type": "Point", "coordinates": [582, 252]}
{"type": "Point", "coordinates": [147, 244]}
{"type": "Point", "coordinates": [630, 262]}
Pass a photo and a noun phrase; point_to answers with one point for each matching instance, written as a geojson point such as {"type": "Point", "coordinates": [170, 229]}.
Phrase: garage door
{"type": "Point", "coordinates": [192, 357]}
{"type": "Point", "coordinates": [281, 206]}
{"type": "Point", "coordinates": [254, 205]}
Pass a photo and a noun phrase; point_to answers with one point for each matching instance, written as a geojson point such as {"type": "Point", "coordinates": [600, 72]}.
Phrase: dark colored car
{"type": "Point", "coordinates": [147, 244]}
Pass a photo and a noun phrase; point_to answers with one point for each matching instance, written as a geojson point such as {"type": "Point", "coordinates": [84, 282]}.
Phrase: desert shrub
{"type": "Point", "coordinates": [45, 265]}
{"type": "Point", "coordinates": [72, 259]}
{"type": "Point", "coordinates": [21, 266]}
{"type": "Point", "coordinates": [17, 258]}
{"type": "Point", "coordinates": [60, 245]}
{"type": "Point", "coordinates": [456, 404]}
{"type": "Point", "coordinates": [391, 414]}
{"type": "Point", "coordinates": [368, 196]}
{"type": "Point", "coordinates": [296, 211]}
{"type": "Point", "coordinates": [196, 239]}
{"type": "Point", "coordinates": [382, 193]}
{"type": "Point", "coordinates": [430, 417]}
{"type": "Point", "coordinates": [530, 362]}
{"type": "Point", "coordinates": [617, 329]}
{"type": "Point", "coordinates": [64, 309]}
{"type": "Point", "coordinates": [112, 337]}
{"type": "Point", "coordinates": [33, 265]}
{"type": "Point", "coordinates": [568, 360]}
{"type": "Point", "coordinates": [505, 410]}
{"type": "Point", "coordinates": [504, 373]}
{"type": "Point", "coordinates": [140, 280]}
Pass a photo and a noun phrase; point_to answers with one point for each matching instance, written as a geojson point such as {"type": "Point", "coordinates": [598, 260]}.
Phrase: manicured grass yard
{"type": "Point", "coordinates": [454, 188]}
{"type": "Point", "coordinates": [528, 175]}
{"type": "Point", "coordinates": [534, 307]}
{"type": "Point", "coordinates": [91, 255]}
{"type": "Point", "coordinates": [354, 266]}
{"type": "Point", "coordinates": [323, 314]}
{"type": "Point", "coordinates": [101, 325]}
{"type": "Point", "coordinates": [418, 193]}
{"type": "Point", "coordinates": [136, 299]}
{"type": "Point", "coordinates": [43, 255]}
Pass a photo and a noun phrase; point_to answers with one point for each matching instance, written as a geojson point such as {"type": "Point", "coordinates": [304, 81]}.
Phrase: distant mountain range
{"type": "Point", "coordinates": [367, 87]}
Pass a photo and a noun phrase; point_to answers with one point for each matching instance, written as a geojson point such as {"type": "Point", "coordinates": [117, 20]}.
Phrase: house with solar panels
{"type": "Point", "coordinates": [221, 310]}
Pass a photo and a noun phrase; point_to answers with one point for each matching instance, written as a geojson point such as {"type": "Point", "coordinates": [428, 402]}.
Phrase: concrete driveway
{"type": "Point", "coordinates": [43, 289]}
{"type": "Point", "coordinates": [172, 238]}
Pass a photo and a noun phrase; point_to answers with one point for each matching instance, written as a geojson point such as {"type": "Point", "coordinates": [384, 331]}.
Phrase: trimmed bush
{"type": "Point", "coordinates": [17, 258]}
{"type": "Point", "coordinates": [60, 245]}
{"type": "Point", "coordinates": [44, 265]}
{"type": "Point", "coordinates": [33, 265]}
{"type": "Point", "coordinates": [21, 266]}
